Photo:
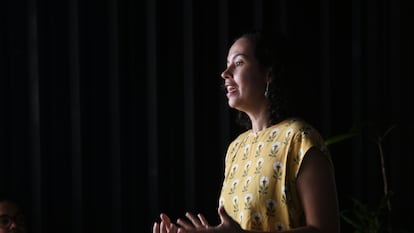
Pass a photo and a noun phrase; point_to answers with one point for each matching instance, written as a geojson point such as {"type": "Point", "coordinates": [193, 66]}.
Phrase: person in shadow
{"type": "Point", "coordinates": [12, 219]}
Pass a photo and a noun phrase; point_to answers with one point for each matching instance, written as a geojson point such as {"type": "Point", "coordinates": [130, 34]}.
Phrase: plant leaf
{"type": "Point", "coordinates": [339, 138]}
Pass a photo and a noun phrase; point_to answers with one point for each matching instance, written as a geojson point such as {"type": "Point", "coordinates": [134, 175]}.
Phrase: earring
{"type": "Point", "coordinates": [266, 93]}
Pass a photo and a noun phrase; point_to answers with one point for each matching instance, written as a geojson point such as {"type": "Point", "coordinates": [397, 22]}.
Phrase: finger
{"type": "Point", "coordinates": [181, 230]}
{"type": "Point", "coordinates": [185, 224]}
{"type": "Point", "coordinates": [156, 228]}
{"type": "Point", "coordinates": [172, 228]}
{"type": "Point", "coordinates": [203, 220]}
{"type": "Point", "coordinates": [196, 222]}
{"type": "Point", "coordinates": [163, 227]}
{"type": "Point", "coordinates": [165, 219]}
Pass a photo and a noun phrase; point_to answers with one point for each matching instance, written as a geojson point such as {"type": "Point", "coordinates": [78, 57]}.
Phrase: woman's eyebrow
{"type": "Point", "coordinates": [235, 56]}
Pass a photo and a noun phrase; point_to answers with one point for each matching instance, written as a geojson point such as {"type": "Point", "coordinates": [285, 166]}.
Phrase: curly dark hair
{"type": "Point", "coordinates": [269, 50]}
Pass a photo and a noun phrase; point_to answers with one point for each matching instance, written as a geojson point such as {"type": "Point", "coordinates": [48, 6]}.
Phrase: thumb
{"type": "Point", "coordinates": [227, 222]}
{"type": "Point", "coordinates": [224, 217]}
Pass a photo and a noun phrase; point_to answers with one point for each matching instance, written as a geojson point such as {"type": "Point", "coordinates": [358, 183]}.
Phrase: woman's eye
{"type": "Point", "coordinates": [238, 63]}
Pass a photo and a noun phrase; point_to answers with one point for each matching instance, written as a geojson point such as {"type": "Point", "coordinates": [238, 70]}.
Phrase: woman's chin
{"type": "Point", "coordinates": [232, 104]}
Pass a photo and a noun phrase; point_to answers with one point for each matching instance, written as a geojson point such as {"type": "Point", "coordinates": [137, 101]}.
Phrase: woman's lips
{"type": "Point", "coordinates": [230, 90]}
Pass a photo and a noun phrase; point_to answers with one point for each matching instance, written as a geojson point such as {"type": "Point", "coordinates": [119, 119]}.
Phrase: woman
{"type": "Point", "coordinates": [278, 173]}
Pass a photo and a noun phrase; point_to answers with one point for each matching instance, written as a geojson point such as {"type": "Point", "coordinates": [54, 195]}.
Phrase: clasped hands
{"type": "Point", "coordinates": [197, 224]}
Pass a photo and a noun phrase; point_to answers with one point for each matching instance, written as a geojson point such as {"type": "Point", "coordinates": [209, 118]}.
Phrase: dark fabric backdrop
{"type": "Point", "coordinates": [112, 111]}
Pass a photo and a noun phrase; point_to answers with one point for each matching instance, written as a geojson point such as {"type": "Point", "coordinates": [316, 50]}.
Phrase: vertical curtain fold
{"type": "Point", "coordinates": [34, 116]}
{"type": "Point", "coordinates": [75, 117]}
{"type": "Point", "coordinates": [325, 65]}
{"type": "Point", "coordinates": [115, 139]}
{"type": "Point", "coordinates": [223, 41]}
{"type": "Point", "coordinates": [152, 111]}
{"type": "Point", "coordinates": [356, 92]}
{"type": "Point", "coordinates": [188, 61]}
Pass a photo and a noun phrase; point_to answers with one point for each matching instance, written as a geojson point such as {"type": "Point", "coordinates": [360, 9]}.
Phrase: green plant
{"type": "Point", "coordinates": [362, 217]}
{"type": "Point", "coordinates": [365, 219]}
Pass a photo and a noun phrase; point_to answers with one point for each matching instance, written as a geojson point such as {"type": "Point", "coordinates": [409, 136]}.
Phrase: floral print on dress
{"type": "Point", "coordinates": [257, 221]}
{"type": "Point", "coordinates": [288, 136]}
{"type": "Point", "coordinates": [233, 171]}
{"type": "Point", "coordinates": [275, 149]}
{"type": "Point", "coordinates": [259, 149]}
{"type": "Point", "coordinates": [246, 168]}
{"type": "Point", "coordinates": [233, 186]}
{"type": "Point", "coordinates": [272, 135]}
{"type": "Point", "coordinates": [279, 226]}
{"type": "Point", "coordinates": [221, 201]}
{"type": "Point", "coordinates": [270, 207]}
{"type": "Point", "coordinates": [235, 205]}
{"type": "Point", "coordinates": [277, 170]}
{"type": "Point", "coordinates": [246, 184]}
{"type": "Point", "coordinates": [248, 201]}
{"type": "Point", "coordinates": [284, 199]}
{"type": "Point", "coordinates": [264, 185]}
{"type": "Point", "coordinates": [255, 139]}
{"type": "Point", "coordinates": [259, 186]}
{"type": "Point", "coordinates": [246, 152]}
{"type": "Point", "coordinates": [259, 166]}
{"type": "Point", "coordinates": [241, 214]}
{"type": "Point", "coordinates": [236, 144]}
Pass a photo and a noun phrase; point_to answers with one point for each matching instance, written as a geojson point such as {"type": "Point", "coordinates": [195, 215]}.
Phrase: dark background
{"type": "Point", "coordinates": [112, 111]}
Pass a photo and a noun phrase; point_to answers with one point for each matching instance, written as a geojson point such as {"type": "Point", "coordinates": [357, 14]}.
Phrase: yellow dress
{"type": "Point", "coordinates": [259, 188]}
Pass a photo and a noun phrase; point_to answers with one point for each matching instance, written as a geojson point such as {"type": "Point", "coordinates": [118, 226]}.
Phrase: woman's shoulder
{"type": "Point", "coordinates": [294, 122]}
{"type": "Point", "coordinates": [242, 134]}
{"type": "Point", "coordinates": [297, 125]}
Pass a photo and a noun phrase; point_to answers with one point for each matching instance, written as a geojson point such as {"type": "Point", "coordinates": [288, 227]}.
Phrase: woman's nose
{"type": "Point", "coordinates": [225, 74]}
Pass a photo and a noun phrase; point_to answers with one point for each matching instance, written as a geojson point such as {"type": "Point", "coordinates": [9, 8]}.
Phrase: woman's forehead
{"type": "Point", "coordinates": [241, 46]}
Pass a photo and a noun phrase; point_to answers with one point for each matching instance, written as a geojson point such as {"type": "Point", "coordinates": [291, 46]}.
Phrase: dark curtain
{"type": "Point", "coordinates": [112, 111]}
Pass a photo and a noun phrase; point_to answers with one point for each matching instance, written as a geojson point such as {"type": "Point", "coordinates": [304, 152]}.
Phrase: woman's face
{"type": "Point", "coordinates": [244, 80]}
{"type": "Point", "coordinates": [11, 220]}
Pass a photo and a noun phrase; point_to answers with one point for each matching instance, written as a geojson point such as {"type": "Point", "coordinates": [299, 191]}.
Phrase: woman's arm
{"type": "Point", "coordinates": [317, 190]}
